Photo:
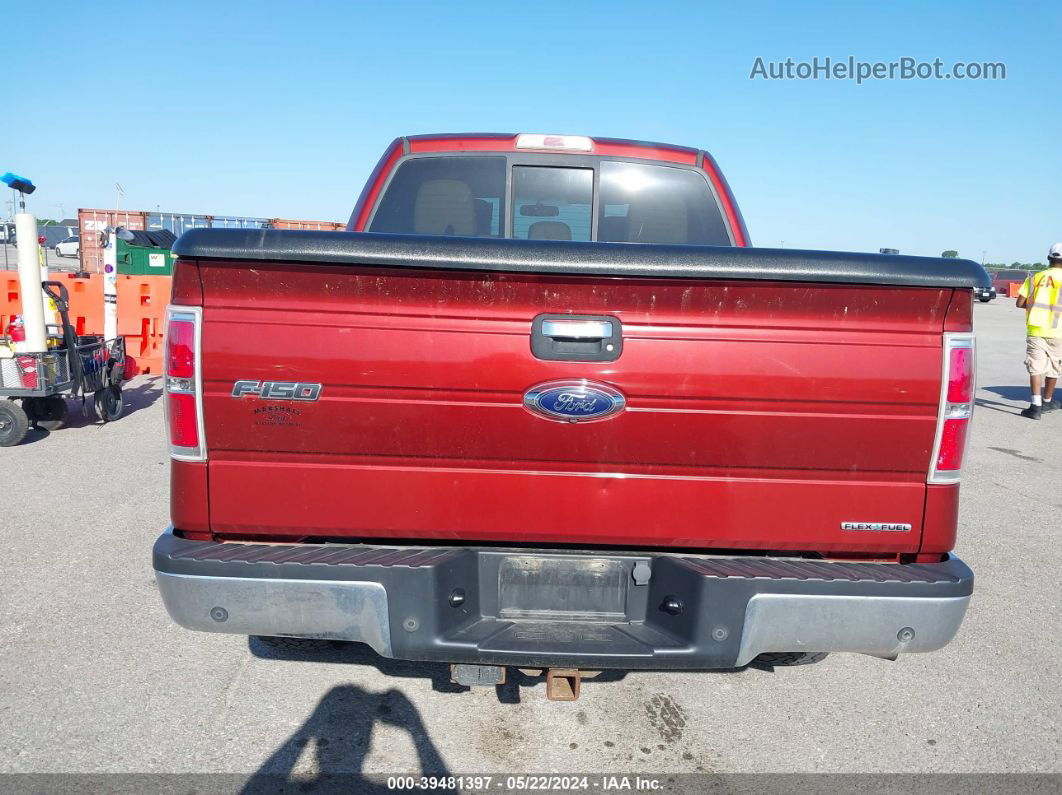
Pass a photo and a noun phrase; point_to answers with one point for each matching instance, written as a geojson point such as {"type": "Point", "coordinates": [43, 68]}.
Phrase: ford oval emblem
{"type": "Point", "coordinates": [574, 400]}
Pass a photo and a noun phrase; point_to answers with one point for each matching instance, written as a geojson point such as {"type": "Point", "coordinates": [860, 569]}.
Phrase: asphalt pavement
{"type": "Point", "coordinates": [95, 678]}
{"type": "Point", "coordinates": [9, 259]}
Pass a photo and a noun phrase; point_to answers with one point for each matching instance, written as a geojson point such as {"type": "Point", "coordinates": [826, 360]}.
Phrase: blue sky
{"type": "Point", "coordinates": [282, 109]}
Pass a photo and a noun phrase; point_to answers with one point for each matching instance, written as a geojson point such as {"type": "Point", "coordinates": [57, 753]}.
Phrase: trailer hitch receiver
{"type": "Point", "coordinates": [562, 684]}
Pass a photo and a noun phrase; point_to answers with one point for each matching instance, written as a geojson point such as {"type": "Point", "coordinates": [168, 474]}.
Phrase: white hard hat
{"type": "Point", "coordinates": [1055, 252]}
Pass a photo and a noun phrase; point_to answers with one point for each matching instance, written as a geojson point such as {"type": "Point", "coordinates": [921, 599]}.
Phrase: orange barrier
{"type": "Point", "coordinates": [10, 302]}
{"type": "Point", "coordinates": [86, 303]}
{"type": "Point", "coordinates": [142, 302]}
{"type": "Point", "coordinates": [1013, 289]}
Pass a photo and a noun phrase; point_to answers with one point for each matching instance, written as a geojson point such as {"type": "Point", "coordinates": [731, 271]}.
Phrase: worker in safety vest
{"type": "Point", "coordinates": [1041, 298]}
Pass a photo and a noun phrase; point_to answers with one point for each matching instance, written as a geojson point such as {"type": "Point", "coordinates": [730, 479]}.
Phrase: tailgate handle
{"type": "Point", "coordinates": [577, 329]}
{"type": "Point", "coordinates": [577, 338]}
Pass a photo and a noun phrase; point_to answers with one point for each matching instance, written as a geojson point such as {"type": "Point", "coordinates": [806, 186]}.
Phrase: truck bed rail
{"type": "Point", "coordinates": [577, 258]}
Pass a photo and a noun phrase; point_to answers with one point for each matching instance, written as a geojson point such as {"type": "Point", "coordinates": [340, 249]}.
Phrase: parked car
{"type": "Point", "coordinates": [68, 246]}
{"type": "Point", "coordinates": [543, 406]}
{"type": "Point", "coordinates": [984, 294]}
{"type": "Point", "coordinates": [1001, 280]}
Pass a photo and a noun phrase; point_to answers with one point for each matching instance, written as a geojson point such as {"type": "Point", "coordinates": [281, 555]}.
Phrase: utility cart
{"type": "Point", "coordinates": [34, 387]}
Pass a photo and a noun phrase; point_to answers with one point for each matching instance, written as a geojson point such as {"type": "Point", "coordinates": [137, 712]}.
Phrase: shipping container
{"type": "Point", "coordinates": [287, 223]}
{"type": "Point", "coordinates": [92, 223]}
{"type": "Point", "coordinates": [179, 223]}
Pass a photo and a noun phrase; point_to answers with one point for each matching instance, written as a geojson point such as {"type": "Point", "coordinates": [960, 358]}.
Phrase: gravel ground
{"type": "Point", "coordinates": [95, 678]}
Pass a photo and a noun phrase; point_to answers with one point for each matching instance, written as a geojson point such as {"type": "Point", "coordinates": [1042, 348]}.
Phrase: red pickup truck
{"type": "Point", "coordinates": [543, 406]}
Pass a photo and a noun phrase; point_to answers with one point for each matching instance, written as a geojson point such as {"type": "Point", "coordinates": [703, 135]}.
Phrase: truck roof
{"type": "Point", "coordinates": [538, 142]}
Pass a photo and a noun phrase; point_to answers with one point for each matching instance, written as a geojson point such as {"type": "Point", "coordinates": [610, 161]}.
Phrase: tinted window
{"type": "Point", "coordinates": [444, 196]}
{"type": "Point", "coordinates": [657, 204]}
{"type": "Point", "coordinates": [552, 203]}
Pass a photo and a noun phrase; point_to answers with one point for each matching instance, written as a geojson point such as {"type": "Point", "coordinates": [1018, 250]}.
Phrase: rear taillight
{"type": "Point", "coordinates": [184, 383]}
{"type": "Point", "coordinates": [956, 408]}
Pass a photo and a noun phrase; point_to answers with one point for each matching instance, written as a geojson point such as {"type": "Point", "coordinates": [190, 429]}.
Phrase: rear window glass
{"type": "Point", "coordinates": [552, 203]}
{"type": "Point", "coordinates": [657, 204]}
{"type": "Point", "coordinates": [462, 196]}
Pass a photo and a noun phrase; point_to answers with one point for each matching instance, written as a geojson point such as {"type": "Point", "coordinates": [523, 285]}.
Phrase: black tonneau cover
{"type": "Point", "coordinates": [580, 259]}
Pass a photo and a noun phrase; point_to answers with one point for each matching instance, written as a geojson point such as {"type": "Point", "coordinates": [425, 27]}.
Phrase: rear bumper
{"type": "Point", "coordinates": [542, 608]}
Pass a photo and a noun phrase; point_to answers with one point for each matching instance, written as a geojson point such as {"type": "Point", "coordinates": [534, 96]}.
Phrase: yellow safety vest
{"type": "Point", "coordinates": [1043, 310]}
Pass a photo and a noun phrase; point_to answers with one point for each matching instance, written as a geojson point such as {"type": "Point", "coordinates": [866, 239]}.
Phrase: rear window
{"type": "Point", "coordinates": [465, 196]}
{"type": "Point", "coordinates": [552, 203]}
{"type": "Point", "coordinates": [657, 204]}
{"type": "Point", "coordinates": [462, 196]}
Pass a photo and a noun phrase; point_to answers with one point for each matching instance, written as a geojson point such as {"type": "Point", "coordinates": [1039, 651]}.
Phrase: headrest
{"type": "Point", "coordinates": [549, 230]}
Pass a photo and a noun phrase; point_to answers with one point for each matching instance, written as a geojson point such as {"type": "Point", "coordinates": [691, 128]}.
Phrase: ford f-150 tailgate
{"type": "Point", "coordinates": [359, 386]}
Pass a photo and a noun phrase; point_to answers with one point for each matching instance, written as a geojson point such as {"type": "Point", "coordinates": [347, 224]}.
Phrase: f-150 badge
{"type": "Point", "coordinates": [574, 400]}
{"type": "Point", "coordinates": [277, 390]}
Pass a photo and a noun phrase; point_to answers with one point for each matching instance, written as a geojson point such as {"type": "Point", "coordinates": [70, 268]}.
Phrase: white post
{"type": "Point", "coordinates": [49, 304]}
{"type": "Point", "coordinates": [110, 285]}
{"type": "Point", "coordinates": [29, 280]}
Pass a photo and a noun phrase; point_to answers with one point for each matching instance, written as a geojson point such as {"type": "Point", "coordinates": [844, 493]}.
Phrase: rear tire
{"type": "Point", "coordinates": [14, 423]}
{"type": "Point", "coordinates": [297, 644]}
{"type": "Point", "coordinates": [108, 403]}
{"type": "Point", "coordinates": [788, 658]}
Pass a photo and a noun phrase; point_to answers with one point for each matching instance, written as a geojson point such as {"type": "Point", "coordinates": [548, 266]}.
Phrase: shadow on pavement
{"type": "Point", "coordinates": [1016, 393]}
{"type": "Point", "coordinates": [341, 653]}
{"type": "Point", "coordinates": [1010, 392]}
{"type": "Point", "coordinates": [1005, 408]}
{"type": "Point", "coordinates": [340, 730]}
{"type": "Point", "coordinates": [34, 435]}
{"type": "Point", "coordinates": [141, 395]}
{"type": "Point", "coordinates": [337, 652]}
{"type": "Point", "coordinates": [135, 397]}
